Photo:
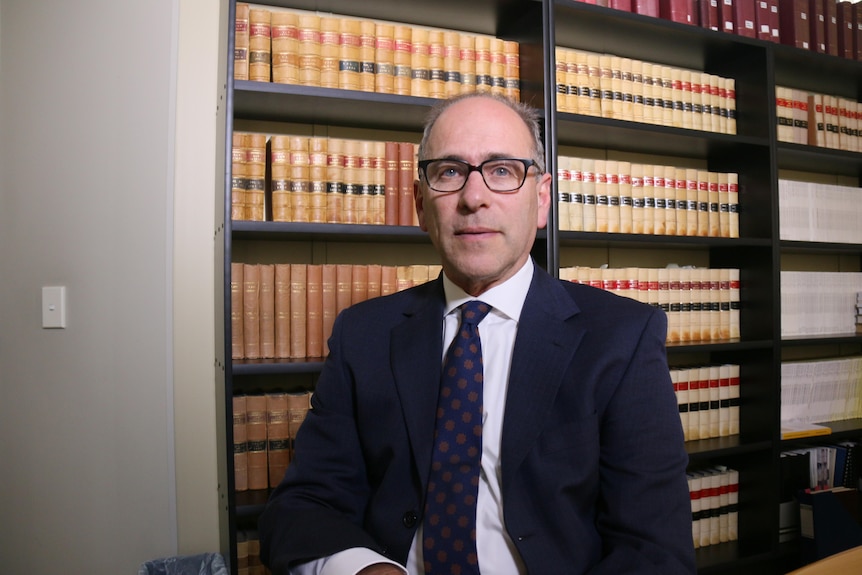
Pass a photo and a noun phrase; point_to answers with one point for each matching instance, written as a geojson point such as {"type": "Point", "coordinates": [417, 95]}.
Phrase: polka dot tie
{"type": "Point", "coordinates": [449, 530]}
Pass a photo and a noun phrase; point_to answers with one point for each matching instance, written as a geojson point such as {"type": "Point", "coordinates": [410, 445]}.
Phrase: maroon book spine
{"type": "Point", "coordinates": [726, 11]}
{"type": "Point", "coordinates": [795, 30]}
{"type": "Point", "coordinates": [845, 30]}
{"type": "Point", "coordinates": [744, 16]}
{"type": "Point", "coordinates": [761, 20]}
{"type": "Point", "coordinates": [857, 31]}
{"type": "Point", "coordinates": [831, 13]}
{"type": "Point", "coordinates": [646, 7]}
{"type": "Point", "coordinates": [817, 20]}
{"type": "Point", "coordinates": [709, 14]}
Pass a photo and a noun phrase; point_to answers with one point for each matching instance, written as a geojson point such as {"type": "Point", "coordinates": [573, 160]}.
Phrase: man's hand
{"type": "Point", "coordinates": [381, 569]}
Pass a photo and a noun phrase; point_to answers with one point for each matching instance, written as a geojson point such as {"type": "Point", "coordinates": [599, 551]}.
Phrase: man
{"type": "Point", "coordinates": [582, 465]}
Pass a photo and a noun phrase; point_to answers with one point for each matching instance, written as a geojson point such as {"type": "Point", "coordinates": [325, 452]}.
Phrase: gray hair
{"type": "Point", "coordinates": [529, 115]}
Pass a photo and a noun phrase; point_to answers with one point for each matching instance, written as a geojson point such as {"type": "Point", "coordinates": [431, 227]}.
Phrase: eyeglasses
{"type": "Point", "coordinates": [500, 174]}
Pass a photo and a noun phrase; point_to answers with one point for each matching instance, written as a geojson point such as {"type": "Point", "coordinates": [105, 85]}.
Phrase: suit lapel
{"type": "Point", "coordinates": [544, 347]}
{"type": "Point", "coordinates": [416, 352]}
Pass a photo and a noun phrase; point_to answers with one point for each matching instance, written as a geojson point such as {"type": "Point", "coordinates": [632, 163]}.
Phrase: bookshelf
{"type": "Point", "coordinates": [753, 152]}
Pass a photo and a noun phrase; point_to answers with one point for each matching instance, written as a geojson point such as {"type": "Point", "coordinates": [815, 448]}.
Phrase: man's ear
{"type": "Point", "coordinates": [543, 198]}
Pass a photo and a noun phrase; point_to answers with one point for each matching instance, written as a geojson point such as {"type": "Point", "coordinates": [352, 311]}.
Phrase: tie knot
{"type": "Point", "coordinates": [474, 311]}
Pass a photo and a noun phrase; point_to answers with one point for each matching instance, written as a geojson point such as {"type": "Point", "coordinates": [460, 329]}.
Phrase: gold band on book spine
{"type": "Point", "coordinates": [512, 69]}
{"type": "Point", "coordinates": [317, 158]}
{"type": "Point", "coordinates": [238, 176]}
{"type": "Point", "coordinates": [498, 67]}
{"type": "Point", "coordinates": [259, 45]}
{"type": "Point", "coordinates": [285, 47]}
{"type": "Point", "coordinates": [256, 173]}
{"type": "Point", "coordinates": [309, 49]}
{"type": "Point", "coordinates": [365, 180]}
{"type": "Point", "coordinates": [240, 65]}
{"type": "Point", "coordinates": [451, 63]}
{"type": "Point", "coordinates": [482, 57]}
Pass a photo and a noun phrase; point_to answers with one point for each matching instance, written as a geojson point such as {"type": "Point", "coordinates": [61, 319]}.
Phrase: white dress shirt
{"type": "Point", "coordinates": [497, 553]}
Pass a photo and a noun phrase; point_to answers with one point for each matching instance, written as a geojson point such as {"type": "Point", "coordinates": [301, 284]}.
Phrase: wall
{"type": "Point", "coordinates": [107, 146]}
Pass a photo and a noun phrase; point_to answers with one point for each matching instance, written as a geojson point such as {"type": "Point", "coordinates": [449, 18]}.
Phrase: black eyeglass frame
{"type": "Point", "coordinates": [423, 164]}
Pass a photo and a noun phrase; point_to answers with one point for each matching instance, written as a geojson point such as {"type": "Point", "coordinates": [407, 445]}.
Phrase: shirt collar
{"type": "Point", "coordinates": [506, 298]}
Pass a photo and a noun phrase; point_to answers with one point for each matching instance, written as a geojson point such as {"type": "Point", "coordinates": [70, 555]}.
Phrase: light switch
{"type": "Point", "coordinates": [53, 307]}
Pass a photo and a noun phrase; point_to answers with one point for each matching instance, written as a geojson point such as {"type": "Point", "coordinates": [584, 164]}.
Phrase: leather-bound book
{"type": "Point", "coordinates": [277, 437]}
{"type": "Point", "coordinates": [258, 476]}
{"type": "Point", "coordinates": [367, 55]}
{"type": "Point", "coordinates": [279, 182]}
{"type": "Point", "coordinates": [298, 310]}
{"type": "Point", "coordinates": [343, 286]}
{"type": "Point", "coordinates": [420, 72]}
{"type": "Point", "coordinates": [240, 42]}
{"type": "Point", "coordinates": [267, 310]}
{"type": "Point", "coordinates": [298, 404]}
{"type": "Point", "coordinates": [402, 58]}
{"type": "Point", "coordinates": [236, 310]}
{"type": "Point", "coordinates": [330, 51]}
{"type": "Point", "coordinates": [309, 49]}
{"type": "Point", "coordinates": [240, 444]}
{"type": "Point", "coordinates": [239, 176]}
{"type": "Point", "coordinates": [817, 29]}
{"type": "Point", "coordinates": [285, 46]}
{"type": "Point", "coordinates": [317, 173]}
{"type": "Point", "coordinates": [388, 280]}
{"type": "Point", "coordinates": [314, 310]}
{"type": "Point", "coordinates": [251, 310]}
{"type": "Point", "coordinates": [328, 277]}
{"type": "Point", "coordinates": [349, 67]}
{"type": "Point", "coordinates": [384, 78]}
{"type": "Point", "coordinates": [844, 10]}
{"type": "Point", "coordinates": [745, 17]}
{"type": "Point", "coordinates": [282, 311]}
{"type": "Point", "coordinates": [406, 177]}
{"type": "Point", "coordinates": [255, 193]}
{"type": "Point", "coordinates": [259, 44]}
{"type": "Point", "coordinates": [334, 180]}
{"type": "Point", "coordinates": [794, 24]}
{"type": "Point", "coordinates": [830, 8]}
{"type": "Point", "coordinates": [359, 287]}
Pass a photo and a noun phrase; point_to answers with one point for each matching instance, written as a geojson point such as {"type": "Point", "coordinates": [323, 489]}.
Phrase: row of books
{"type": "Point", "coordinates": [600, 84]}
{"type": "Point", "coordinates": [287, 310]}
{"type": "Point", "coordinates": [287, 178]}
{"type": "Point", "coordinates": [289, 46]}
{"type": "Point", "coordinates": [815, 119]}
{"type": "Point", "coordinates": [821, 390]}
{"type": "Point", "coordinates": [701, 304]}
{"type": "Point", "coordinates": [714, 494]}
{"type": "Point", "coordinates": [818, 303]}
{"type": "Point", "coordinates": [812, 212]}
{"type": "Point", "coordinates": [708, 399]}
{"type": "Point", "coordinates": [632, 198]}
{"type": "Point", "coordinates": [820, 467]}
{"type": "Point", "coordinates": [825, 26]}
{"type": "Point", "coordinates": [248, 553]}
{"type": "Point", "coordinates": [264, 427]}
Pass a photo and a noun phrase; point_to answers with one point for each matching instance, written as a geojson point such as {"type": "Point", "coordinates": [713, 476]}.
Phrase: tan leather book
{"type": "Point", "coordinates": [279, 181]}
{"type": "Point", "coordinates": [359, 286]}
{"type": "Point", "coordinates": [374, 280]}
{"type": "Point", "coordinates": [241, 552]}
{"type": "Point", "coordinates": [626, 201]}
{"type": "Point", "coordinates": [314, 310]}
{"type": "Point", "coordinates": [388, 280]}
{"type": "Point", "coordinates": [255, 165]}
{"type": "Point", "coordinates": [330, 51]}
{"type": "Point", "coordinates": [351, 184]}
{"type": "Point", "coordinates": [349, 68]}
{"type": "Point", "coordinates": [298, 405]}
{"type": "Point", "coordinates": [403, 278]}
{"type": "Point", "coordinates": [402, 57]}
{"type": "Point", "coordinates": [258, 476]}
{"type": "Point", "coordinates": [239, 176]}
{"type": "Point", "coordinates": [240, 444]}
{"type": "Point", "coordinates": [588, 169]}
{"type": "Point", "coordinates": [420, 72]}
{"type": "Point", "coordinates": [692, 206]}
{"type": "Point", "coordinates": [436, 70]}
{"type": "Point", "coordinates": [240, 42]}
{"type": "Point", "coordinates": [564, 193]}
{"type": "Point", "coordinates": [251, 311]}
{"type": "Point", "coordinates": [467, 62]}
{"type": "Point", "coordinates": [378, 182]}
{"type": "Point", "coordinates": [259, 44]}
{"type": "Point", "coordinates": [309, 49]}
{"type": "Point", "coordinates": [733, 202]}
{"type": "Point", "coordinates": [613, 189]}
{"type": "Point", "coordinates": [317, 172]}
{"type": "Point", "coordinates": [384, 58]}
{"type": "Point", "coordinates": [365, 183]}
{"type": "Point", "coordinates": [367, 55]}
{"type": "Point", "coordinates": [714, 205]}
{"type": "Point", "coordinates": [255, 567]}
{"type": "Point", "coordinates": [343, 286]}
{"type": "Point", "coordinates": [267, 310]}
{"type": "Point", "coordinates": [298, 310]}
{"type": "Point", "coordinates": [330, 306]}
{"type": "Point", "coordinates": [451, 63]}
{"type": "Point", "coordinates": [576, 211]}
{"type": "Point", "coordinates": [512, 70]}
{"type": "Point", "coordinates": [236, 310]}
{"type": "Point", "coordinates": [334, 180]}
{"type": "Point", "coordinates": [282, 311]}
{"type": "Point", "coordinates": [300, 186]}
{"type": "Point", "coordinates": [285, 46]}
{"type": "Point", "coordinates": [406, 176]}
{"type": "Point", "coordinates": [482, 55]}
{"type": "Point", "coordinates": [702, 182]}
{"type": "Point", "coordinates": [649, 199]}
{"type": "Point", "coordinates": [723, 204]}
{"type": "Point", "coordinates": [278, 437]}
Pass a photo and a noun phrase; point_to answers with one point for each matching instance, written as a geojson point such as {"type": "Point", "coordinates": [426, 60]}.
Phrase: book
{"type": "Point", "coordinates": [259, 44]}
{"type": "Point", "coordinates": [279, 182]}
{"type": "Point", "coordinates": [237, 310]}
{"type": "Point", "coordinates": [817, 20]}
{"type": "Point", "coordinates": [309, 49]}
{"type": "Point", "coordinates": [267, 310]}
{"type": "Point", "coordinates": [830, 8]}
{"type": "Point", "coordinates": [284, 32]}
{"type": "Point", "coordinates": [328, 283]}
{"type": "Point", "coordinates": [314, 310]}
{"type": "Point", "coordinates": [406, 177]}
{"type": "Point", "coordinates": [241, 37]}
{"type": "Point", "coordinates": [282, 311]}
{"type": "Point", "coordinates": [240, 444]}
{"type": "Point", "coordinates": [298, 310]}
{"type": "Point", "coordinates": [745, 17]}
{"type": "Point", "coordinates": [258, 471]}
{"type": "Point", "coordinates": [845, 29]}
{"type": "Point", "coordinates": [795, 429]}
{"type": "Point", "coordinates": [794, 23]}
{"type": "Point", "coordinates": [278, 437]}
{"type": "Point", "coordinates": [239, 175]}
{"type": "Point", "coordinates": [251, 311]}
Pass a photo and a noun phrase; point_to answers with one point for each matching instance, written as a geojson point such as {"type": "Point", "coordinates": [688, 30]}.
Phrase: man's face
{"type": "Point", "coordinates": [483, 237]}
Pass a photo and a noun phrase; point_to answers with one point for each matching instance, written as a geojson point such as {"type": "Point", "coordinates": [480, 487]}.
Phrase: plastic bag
{"type": "Point", "coordinates": [201, 564]}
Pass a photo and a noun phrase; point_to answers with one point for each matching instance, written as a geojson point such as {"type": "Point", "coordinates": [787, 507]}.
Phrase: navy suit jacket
{"type": "Point", "coordinates": [592, 455]}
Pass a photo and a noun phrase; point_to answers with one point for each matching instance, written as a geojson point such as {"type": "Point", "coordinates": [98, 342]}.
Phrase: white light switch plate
{"type": "Point", "coordinates": [53, 307]}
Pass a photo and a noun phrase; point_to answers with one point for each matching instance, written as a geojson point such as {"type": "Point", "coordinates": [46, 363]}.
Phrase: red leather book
{"type": "Point", "coordinates": [795, 30]}
{"type": "Point", "coordinates": [845, 30]}
{"type": "Point", "coordinates": [709, 14]}
{"type": "Point", "coordinates": [857, 31]}
{"type": "Point", "coordinates": [817, 19]}
{"type": "Point", "coordinates": [646, 7]}
{"type": "Point", "coordinates": [677, 11]}
{"type": "Point", "coordinates": [831, 12]}
{"type": "Point", "coordinates": [745, 18]}
{"type": "Point", "coordinates": [625, 5]}
{"type": "Point", "coordinates": [774, 24]}
{"type": "Point", "coordinates": [726, 13]}
{"type": "Point", "coordinates": [762, 20]}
